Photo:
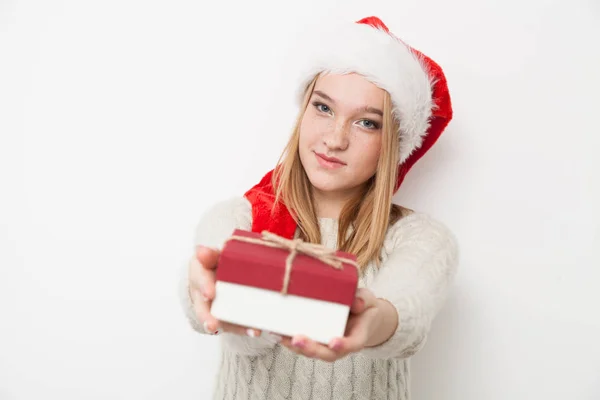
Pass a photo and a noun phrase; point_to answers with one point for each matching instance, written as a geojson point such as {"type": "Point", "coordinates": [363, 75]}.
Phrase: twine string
{"type": "Point", "coordinates": [297, 246]}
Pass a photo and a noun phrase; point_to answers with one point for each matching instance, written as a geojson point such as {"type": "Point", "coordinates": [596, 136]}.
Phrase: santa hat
{"type": "Point", "coordinates": [416, 84]}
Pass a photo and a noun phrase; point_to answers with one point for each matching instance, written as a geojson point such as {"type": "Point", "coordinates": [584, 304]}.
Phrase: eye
{"type": "Point", "coordinates": [322, 107]}
{"type": "Point", "coordinates": [369, 124]}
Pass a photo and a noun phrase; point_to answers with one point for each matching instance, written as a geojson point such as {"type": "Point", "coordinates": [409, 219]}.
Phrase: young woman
{"type": "Point", "coordinates": [371, 106]}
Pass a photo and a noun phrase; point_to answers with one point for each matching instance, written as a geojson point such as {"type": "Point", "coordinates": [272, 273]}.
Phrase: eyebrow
{"type": "Point", "coordinates": [368, 109]}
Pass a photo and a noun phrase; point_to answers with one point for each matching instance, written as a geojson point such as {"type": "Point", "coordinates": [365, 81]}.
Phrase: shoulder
{"type": "Point", "coordinates": [420, 230]}
{"type": "Point", "coordinates": [220, 219]}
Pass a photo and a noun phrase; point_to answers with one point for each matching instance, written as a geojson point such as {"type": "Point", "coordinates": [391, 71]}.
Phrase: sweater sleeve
{"type": "Point", "coordinates": [213, 229]}
{"type": "Point", "coordinates": [421, 264]}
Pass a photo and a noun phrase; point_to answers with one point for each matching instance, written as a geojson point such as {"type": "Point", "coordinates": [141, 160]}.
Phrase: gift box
{"type": "Point", "coordinates": [284, 286]}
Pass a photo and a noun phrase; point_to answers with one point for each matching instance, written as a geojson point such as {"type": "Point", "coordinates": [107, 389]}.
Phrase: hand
{"type": "Point", "coordinates": [201, 276]}
{"type": "Point", "coordinates": [366, 316]}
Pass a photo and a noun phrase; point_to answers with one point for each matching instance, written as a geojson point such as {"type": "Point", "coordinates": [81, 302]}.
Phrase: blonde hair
{"type": "Point", "coordinates": [369, 214]}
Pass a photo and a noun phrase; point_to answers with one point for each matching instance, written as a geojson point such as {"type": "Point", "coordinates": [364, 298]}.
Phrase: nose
{"type": "Point", "coordinates": [336, 138]}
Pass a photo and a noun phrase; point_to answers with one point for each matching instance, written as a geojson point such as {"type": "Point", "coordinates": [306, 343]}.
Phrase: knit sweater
{"type": "Point", "coordinates": [420, 257]}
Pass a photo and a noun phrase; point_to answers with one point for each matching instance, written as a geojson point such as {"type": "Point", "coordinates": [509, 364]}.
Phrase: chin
{"type": "Point", "coordinates": [327, 183]}
{"type": "Point", "coordinates": [325, 188]}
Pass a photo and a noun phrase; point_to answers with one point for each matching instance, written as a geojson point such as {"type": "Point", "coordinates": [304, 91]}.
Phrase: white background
{"type": "Point", "coordinates": [121, 121]}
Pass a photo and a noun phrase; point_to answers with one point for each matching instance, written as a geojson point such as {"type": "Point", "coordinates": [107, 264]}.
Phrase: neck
{"type": "Point", "coordinates": [330, 204]}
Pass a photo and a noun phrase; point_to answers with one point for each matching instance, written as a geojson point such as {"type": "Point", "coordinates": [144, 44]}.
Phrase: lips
{"type": "Point", "coordinates": [330, 159]}
{"type": "Point", "coordinates": [329, 162]}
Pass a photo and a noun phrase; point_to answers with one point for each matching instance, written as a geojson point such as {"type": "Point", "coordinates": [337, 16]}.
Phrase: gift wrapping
{"type": "Point", "coordinates": [284, 286]}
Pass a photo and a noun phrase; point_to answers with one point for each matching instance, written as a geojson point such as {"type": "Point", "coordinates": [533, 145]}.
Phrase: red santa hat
{"type": "Point", "coordinates": [416, 84]}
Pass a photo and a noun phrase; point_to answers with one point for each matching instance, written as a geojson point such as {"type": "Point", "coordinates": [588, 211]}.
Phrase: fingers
{"type": "Point", "coordinates": [363, 300]}
{"type": "Point", "coordinates": [205, 263]}
{"type": "Point", "coordinates": [202, 310]}
{"type": "Point", "coordinates": [309, 348]}
{"type": "Point", "coordinates": [202, 279]}
{"type": "Point", "coordinates": [207, 257]}
{"type": "Point", "coordinates": [201, 283]}
{"type": "Point", "coordinates": [202, 291]}
{"type": "Point", "coordinates": [211, 324]}
{"type": "Point", "coordinates": [348, 344]}
{"type": "Point", "coordinates": [238, 329]}
{"type": "Point", "coordinates": [355, 339]}
{"type": "Point", "coordinates": [356, 336]}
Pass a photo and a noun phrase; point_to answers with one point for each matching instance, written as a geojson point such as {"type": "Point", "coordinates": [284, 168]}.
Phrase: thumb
{"type": "Point", "coordinates": [363, 300]}
{"type": "Point", "coordinates": [207, 256]}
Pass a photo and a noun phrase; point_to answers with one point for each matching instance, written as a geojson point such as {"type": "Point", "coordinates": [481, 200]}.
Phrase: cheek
{"type": "Point", "coordinates": [306, 140]}
{"type": "Point", "coordinates": [369, 151]}
{"type": "Point", "coordinates": [310, 131]}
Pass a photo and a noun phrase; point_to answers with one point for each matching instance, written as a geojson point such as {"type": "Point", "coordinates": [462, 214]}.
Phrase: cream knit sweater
{"type": "Point", "coordinates": [420, 257]}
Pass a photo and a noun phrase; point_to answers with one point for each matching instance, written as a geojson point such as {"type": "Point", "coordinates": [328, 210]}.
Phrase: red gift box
{"type": "Point", "coordinates": [283, 286]}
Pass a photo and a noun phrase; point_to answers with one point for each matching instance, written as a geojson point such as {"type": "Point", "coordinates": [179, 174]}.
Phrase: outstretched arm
{"type": "Point", "coordinates": [214, 228]}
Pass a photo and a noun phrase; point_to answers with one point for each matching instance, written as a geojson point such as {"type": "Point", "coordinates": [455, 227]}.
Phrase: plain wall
{"type": "Point", "coordinates": [122, 121]}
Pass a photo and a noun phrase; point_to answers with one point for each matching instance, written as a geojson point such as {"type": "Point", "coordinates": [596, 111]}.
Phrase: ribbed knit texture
{"type": "Point", "coordinates": [420, 257]}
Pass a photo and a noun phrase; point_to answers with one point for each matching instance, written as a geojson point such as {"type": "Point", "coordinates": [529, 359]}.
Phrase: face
{"type": "Point", "coordinates": [340, 133]}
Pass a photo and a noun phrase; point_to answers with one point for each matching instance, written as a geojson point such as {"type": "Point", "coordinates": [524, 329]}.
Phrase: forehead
{"type": "Point", "coordinates": [350, 89]}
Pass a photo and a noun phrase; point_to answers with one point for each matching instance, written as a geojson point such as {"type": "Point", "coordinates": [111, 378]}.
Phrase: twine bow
{"type": "Point", "coordinates": [296, 246]}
